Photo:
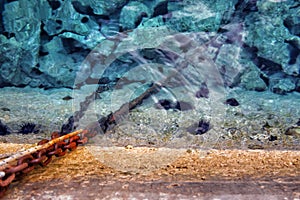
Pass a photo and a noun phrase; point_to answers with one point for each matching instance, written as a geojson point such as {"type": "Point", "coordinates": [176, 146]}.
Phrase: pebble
{"type": "Point", "coordinates": [128, 147]}
{"type": "Point", "coordinates": [6, 117]}
{"type": "Point", "coordinates": [293, 131]}
{"type": "Point", "coordinates": [203, 92]}
{"type": "Point", "coordinates": [255, 146]}
{"type": "Point", "coordinates": [5, 109]}
{"type": "Point", "coordinates": [200, 128]}
{"type": "Point", "coordinates": [232, 102]}
{"type": "Point", "coordinates": [272, 138]}
{"type": "Point", "coordinates": [298, 122]}
{"type": "Point", "coordinates": [67, 98]}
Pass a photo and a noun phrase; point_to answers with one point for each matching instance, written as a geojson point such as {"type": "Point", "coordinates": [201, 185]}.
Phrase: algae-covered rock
{"type": "Point", "coordinates": [44, 43]}
{"type": "Point", "coordinates": [61, 69]}
{"type": "Point", "coordinates": [282, 85]}
{"type": "Point", "coordinates": [61, 63]}
{"type": "Point", "coordinates": [66, 18]}
{"type": "Point", "coordinates": [153, 22]}
{"type": "Point", "coordinates": [15, 62]}
{"type": "Point", "coordinates": [106, 7]}
{"type": "Point", "coordinates": [298, 85]}
{"type": "Point", "coordinates": [132, 14]}
{"type": "Point", "coordinates": [252, 81]}
{"type": "Point", "coordinates": [228, 62]}
{"type": "Point", "coordinates": [199, 15]}
{"type": "Point", "coordinates": [23, 19]}
{"type": "Point", "coordinates": [22, 22]}
{"type": "Point", "coordinates": [188, 20]}
{"type": "Point", "coordinates": [293, 131]}
{"type": "Point", "coordinates": [268, 32]}
{"type": "Point", "coordinates": [31, 53]}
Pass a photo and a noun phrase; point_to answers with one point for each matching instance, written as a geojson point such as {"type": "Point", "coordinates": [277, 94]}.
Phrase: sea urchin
{"type": "Point", "coordinates": [28, 128]}
{"type": "Point", "coordinates": [4, 130]}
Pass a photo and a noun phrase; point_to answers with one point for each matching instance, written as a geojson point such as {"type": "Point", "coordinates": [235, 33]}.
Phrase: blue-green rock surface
{"type": "Point", "coordinates": [44, 43]}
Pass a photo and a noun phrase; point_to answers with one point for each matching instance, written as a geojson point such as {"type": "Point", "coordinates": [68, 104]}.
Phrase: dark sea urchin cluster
{"type": "Point", "coordinates": [4, 130]}
{"type": "Point", "coordinates": [28, 128]}
{"type": "Point", "coordinates": [25, 128]}
{"type": "Point", "coordinates": [175, 105]}
{"type": "Point", "coordinates": [199, 128]}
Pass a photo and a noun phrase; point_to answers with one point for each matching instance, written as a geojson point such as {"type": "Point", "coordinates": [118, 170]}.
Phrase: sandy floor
{"type": "Point", "coordinates": [79, 171]}
{"type": "Point", "coordinates": [260, 121]}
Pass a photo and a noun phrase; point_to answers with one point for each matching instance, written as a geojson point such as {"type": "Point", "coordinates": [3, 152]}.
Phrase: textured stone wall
{"type": "Point", "coordinates": [255, 45]}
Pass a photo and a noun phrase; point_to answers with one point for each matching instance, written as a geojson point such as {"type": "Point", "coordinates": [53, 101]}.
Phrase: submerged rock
{"type": "Point", "coordinates": [273, 138]}
{"type": "Point", "coordinates": [196, 16]}
{"type": "Point", "coordinates": [282, 86]}
{"type": "Point", "coordinates": [67, 98]}
{"type": "Point", "coordinates": [4, 130]}
{"type": "Point", "coordinates": [169, 104]}
{"type": "Point", "coordinates": [200, 128]}
{"type": "Point", "coordinates": [165, 104]}
{"type": "Point", "coordinates": [228, 62]}
{"type": "Point", "coordinates": [184, 106]}
{"type": "Point", "coordinates": [132, 14]}
{"type": "Point", "coordinates": [203, 92]}
{"type": "Point", "coordinates": [253, 81]}
{"type": "Point", "coordinates": [298, 123]}
{"type": "Point", "coordinates": [105, 7]}
{"type": "Point", "coordinates": [269, 34]}
{"type": "Point", "coordinates": [44, 43]}
{"type": "Point", "coordinates": [21, 41]}
{"type": "Point", "coordinates": [232, 102]}
{"type": "Point", "coordinates": [293, 131]}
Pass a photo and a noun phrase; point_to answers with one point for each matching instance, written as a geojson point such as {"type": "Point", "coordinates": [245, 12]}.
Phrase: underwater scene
{"type": "Point", "coordinates": [165, 99]}
{"type": "Point", "coordinates": [223, 73]}
{"type": "Point", "coordinates": [175, 73]}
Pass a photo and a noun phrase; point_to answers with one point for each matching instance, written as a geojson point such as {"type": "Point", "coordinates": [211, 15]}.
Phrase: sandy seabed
{"type": "Point", "coordinates": [259, 122]}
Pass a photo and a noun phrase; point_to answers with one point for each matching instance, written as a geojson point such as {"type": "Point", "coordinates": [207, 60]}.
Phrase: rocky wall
{"type": "Point", "coordinates": [254, 44]}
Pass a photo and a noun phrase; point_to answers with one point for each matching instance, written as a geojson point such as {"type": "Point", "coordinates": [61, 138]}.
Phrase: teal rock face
{"type": "Point", "coordinates": [45, 43]}
{"type": "Point", "coordinates": [19, 53]}
{"type": "Point", "coordinates": [271, 33]}
{"type": "Point", "coordinates": [227, 56]}
{"type": "Point", "coordinates": [282, 85]}
{"type": "Point", "coordinates": [132, 14]}
{"type": "Point", "coordinates": [251, 80]}
{"type": "Point", "coordinates": [105, 7]}
{"type": "Point", "coordinates": [200, 15]}
{"type": "Point", "coordinates": [67, 18]}
{"type": "Point", "coordinates": [44, 36]}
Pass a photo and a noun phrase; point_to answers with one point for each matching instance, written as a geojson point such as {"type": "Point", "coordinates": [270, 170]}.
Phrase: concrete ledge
{"type": "Point", "coordinates": [93, 172]}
